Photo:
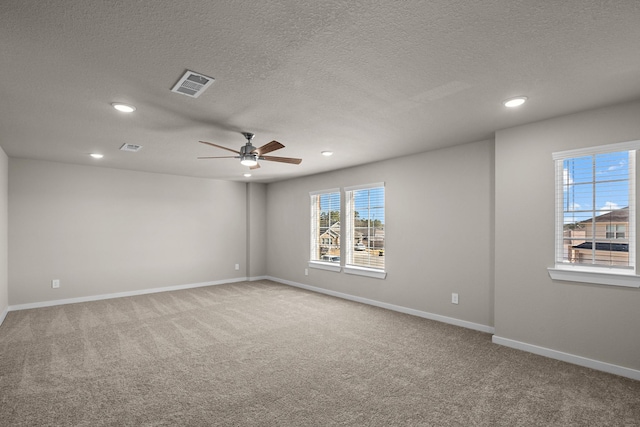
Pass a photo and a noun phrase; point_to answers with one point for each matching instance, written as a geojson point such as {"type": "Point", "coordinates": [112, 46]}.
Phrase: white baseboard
{"type": "Point", "coordinates": [398, 308]}
{"type": "Point", "coordinates": [569, 358]}
{"type": "Point", "coordinates": [4, 314]}
{"type": "Point", "coordinates": [542, 351]}
{"type": "Point", "coordinates": [122, 294]}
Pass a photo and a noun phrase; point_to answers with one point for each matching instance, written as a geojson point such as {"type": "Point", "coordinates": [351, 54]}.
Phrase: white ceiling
{"type": "Point", "coordinates": [369, 80]}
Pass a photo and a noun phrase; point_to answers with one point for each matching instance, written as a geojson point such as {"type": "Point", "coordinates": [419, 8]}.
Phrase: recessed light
{"type": "Point", "coordinates": [96, 155]}
{"type": "Point", "coordinates": [247, 175]}
{"type": "Point", "coordinates": [327, 153]}
{"type": "Point", "coordinates": [515, 102]}
{"type": "Point", "coordinates": [123, 107]}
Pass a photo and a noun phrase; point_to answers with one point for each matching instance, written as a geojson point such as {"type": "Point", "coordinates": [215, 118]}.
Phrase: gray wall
{"type": "Point", "coordinates": [256, 226]}
{"type": "Point", "coordinates": [4, 221]}
{"type": "Point", "coordinates": [439, 231]}
{"type": "Point", "coordinates": [593, 321]}
{"type": "Point", "coordinates": [103, 231]}
{"type": "Point", "coordinates": [476, 219]}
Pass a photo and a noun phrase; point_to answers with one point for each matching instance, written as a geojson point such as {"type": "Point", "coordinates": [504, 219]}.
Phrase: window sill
{"type": "Point", "coordinates": [363, 271]}
{"type": "Point", "coordinates": [611, 277]}
{"type": "Point", "coordinates": [325, 266]}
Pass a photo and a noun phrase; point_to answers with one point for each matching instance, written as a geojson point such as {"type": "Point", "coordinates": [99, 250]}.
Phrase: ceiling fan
{"type": "Point", "coordinates": [249, 155]}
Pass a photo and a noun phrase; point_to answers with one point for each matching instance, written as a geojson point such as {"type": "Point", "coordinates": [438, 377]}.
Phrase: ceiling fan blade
{"type": "Point", "coordinates": [257, 166]}
{"type": "Point", "coordinates": [220, 146]}
{"type": "Point", "coordinates": [281, 159]}
{"type": "Point", "coordinates": [220, 157]}
{"type": "Point", "coordinates": [268, 147]}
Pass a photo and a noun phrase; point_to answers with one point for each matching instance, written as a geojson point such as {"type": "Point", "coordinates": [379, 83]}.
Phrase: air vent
{"type": "Point", "coordinates": [131, 147]}
{"type": "Point", "coordinates": [192, 84]}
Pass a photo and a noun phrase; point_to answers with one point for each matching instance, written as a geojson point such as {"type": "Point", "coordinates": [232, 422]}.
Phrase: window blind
{"type": "Point", "coordinates": [595, 205]}
{"type": "Point", "coordinates": [365, 220]}
{"type": "Point", "coordinates": [325, 226]}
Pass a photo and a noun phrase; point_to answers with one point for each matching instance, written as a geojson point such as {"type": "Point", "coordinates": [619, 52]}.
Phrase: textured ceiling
{"type": "Point", "coordinates": [368, 80]}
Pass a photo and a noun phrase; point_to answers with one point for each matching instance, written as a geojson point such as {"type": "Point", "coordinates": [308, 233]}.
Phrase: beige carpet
{"type": "Point", "coordinates": [265, 354]}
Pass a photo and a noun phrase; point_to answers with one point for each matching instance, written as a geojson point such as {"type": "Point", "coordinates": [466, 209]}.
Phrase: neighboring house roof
{"type": "Point", "coordinates": [611, 247]}
{"type": "Point", "coordinates": [619, 215]}
{"type": "Point", "coordinates": [331, 233]}
{"type": "Point", "coordinates": [334, 231]}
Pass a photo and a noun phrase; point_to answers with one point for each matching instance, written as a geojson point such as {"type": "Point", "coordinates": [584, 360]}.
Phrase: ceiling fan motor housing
{"type": "Point", "coordinates": [247, 149]}
{"type": "Point", "coordinates": [246, 154]}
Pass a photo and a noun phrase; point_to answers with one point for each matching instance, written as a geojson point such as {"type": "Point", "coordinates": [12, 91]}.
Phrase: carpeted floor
{"type": "Point", "coordinates": [265, 354]}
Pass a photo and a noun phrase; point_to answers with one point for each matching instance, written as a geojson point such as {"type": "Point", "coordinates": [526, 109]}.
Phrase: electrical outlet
{"type": "Point", "coordinates": [55, 283]}
{"type": "Point", "coordinates": [306, 271]}
{"type": "Point", "coordinates": [454, 298]}
{"type": "Point", "coordinates": [237, 266]}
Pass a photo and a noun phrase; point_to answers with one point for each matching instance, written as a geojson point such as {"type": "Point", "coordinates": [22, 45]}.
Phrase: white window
{"type": "Point", "coordinates": [595, 215]}
{"type": "Point", "coordinates": [365, 230]}
{"type": "Point", "coordinates": [325, 230]}
{"type": "Point", "coordinates": [616, 231]}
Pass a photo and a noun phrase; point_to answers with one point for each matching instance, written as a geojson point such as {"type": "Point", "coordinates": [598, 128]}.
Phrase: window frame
{"type": "Point", "coordinates": [314, 219]}
{"type": "Point", "coordinates": [596, 274]}
{"type": "Point", "coordinates": [349, 268]}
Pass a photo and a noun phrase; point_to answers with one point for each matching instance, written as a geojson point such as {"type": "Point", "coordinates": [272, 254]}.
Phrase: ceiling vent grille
{"type": "Point", "coordinates": [131, 147]}
{"type": "Point", "coordinates": [192, 84]}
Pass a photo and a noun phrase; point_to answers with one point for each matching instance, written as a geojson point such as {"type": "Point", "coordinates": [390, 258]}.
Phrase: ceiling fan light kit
{"type": "Point", "coordinates": [249, 160]}
{"type": "Point", "coordinates": [249, 155]}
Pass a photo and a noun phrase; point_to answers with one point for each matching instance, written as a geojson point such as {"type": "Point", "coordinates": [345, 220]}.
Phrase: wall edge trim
{"type": "Point", "coordinates": [52, 303]}
{"type": "Point", "coordinates": [4, 314]}
{"type": "Point", "coordinates": [569, 358]}
{"type": "Point", "coordinates": [393, 307]}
